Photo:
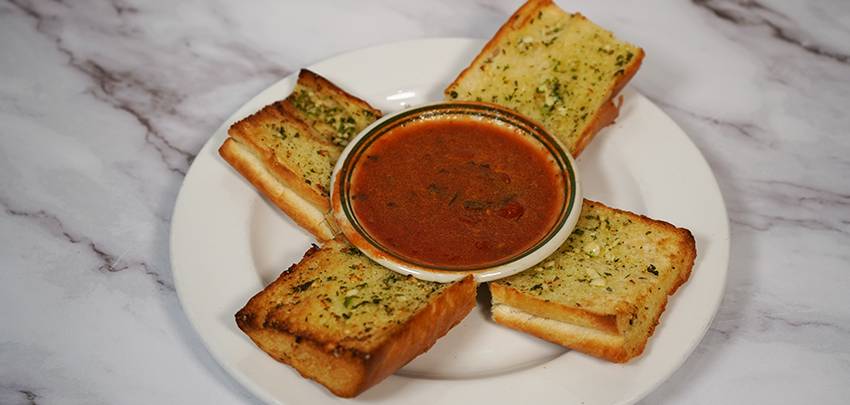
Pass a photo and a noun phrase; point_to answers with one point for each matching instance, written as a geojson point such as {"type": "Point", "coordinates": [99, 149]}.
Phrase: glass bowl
{"type": "Point", "coordinates": [347, 221]}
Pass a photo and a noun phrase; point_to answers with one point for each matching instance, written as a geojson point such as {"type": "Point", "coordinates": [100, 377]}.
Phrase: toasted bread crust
{"type": "Point", "coordinates": [586, 340]}
{"type": "Point", "coordinates": [599, 334]}
{"type": "Point", "coordinates": [251, 167]}
{"type": "Point", "coordinates": [503, 294]}
{"type": "Point", "coordinates": [344, 371]}
{"type": "Point", "coordinates": [601, 118]}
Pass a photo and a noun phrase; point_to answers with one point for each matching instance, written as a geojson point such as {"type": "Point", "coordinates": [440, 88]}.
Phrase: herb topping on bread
{"type": "Point", "coordinates": [603, 291]}
{"type": "Point", "coordinates": [334, 114]}
{"type": "Point", "coordinates": [288, 143]}
{"type": "Point", "coordinates": [288, 149]}
{"type": "Point", "coordinates": [557, 68]}
{"type": "Point", "coordinates": [347, 322]}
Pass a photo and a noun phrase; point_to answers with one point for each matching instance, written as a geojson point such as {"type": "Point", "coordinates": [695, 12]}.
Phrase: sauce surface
{"type": "Point", "coordinates": [456, 193]}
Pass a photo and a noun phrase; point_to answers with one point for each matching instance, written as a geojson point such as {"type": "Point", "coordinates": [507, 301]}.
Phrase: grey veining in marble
{"type": "Point", "coordinates": [103, 105]}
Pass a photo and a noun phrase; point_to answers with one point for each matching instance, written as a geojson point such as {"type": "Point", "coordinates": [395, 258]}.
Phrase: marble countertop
{"type": "Point", "coordinates": [103, 105]}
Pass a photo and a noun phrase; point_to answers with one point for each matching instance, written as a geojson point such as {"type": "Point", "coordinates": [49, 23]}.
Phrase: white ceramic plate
{"type": "Point", "coordinates": [227, 243]}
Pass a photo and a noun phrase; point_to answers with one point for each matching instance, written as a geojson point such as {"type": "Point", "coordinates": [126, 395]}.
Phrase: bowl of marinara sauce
{"type": "Point", "coordinates": [455, 188]}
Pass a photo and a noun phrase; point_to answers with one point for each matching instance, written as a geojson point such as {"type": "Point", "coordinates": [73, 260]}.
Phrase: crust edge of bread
{"type": "Point", "coordinates": [245, 161]}
{"type": "Point", "coordinates": [347, 373]}
{"type": "Point", "coordinates": [584, 339]}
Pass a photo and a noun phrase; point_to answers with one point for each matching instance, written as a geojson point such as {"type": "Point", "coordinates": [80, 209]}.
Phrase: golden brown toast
{"type": "Point", "coordinates": [557, 68]}
{"type": "Point", "coordinates": [347, 322]}
{"type": "Point", "coordinates": [288, 149]}
{"type": "Point", "coordinates": [603, 291]}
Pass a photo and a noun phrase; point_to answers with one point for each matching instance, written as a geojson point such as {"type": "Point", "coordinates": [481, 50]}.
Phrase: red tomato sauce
{"type": "Point", "coordinates": [456, 193]}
